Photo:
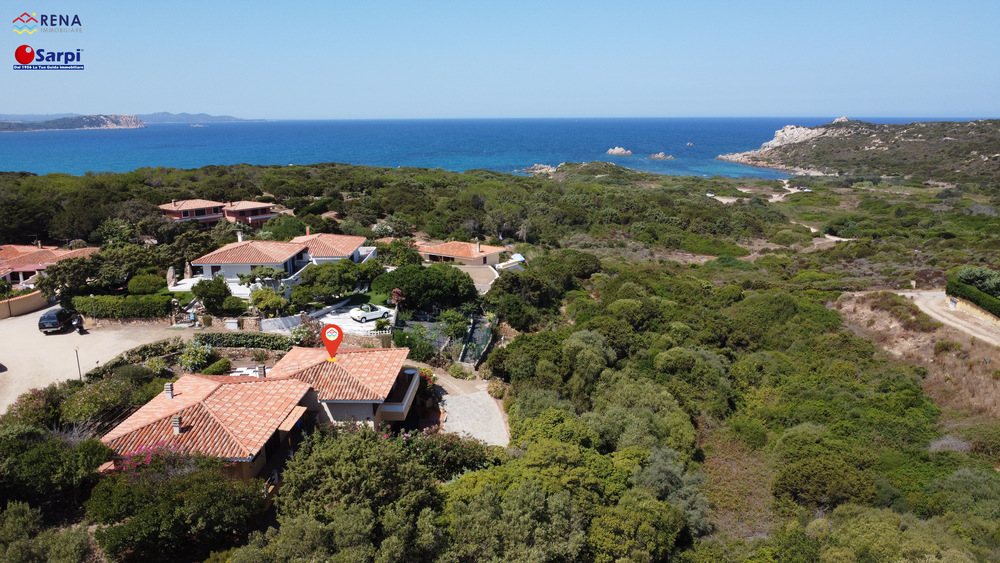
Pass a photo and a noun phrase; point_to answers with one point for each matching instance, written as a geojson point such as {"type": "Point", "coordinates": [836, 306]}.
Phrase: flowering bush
{"type": "Point", "coordinates": [157, 364]}
{"type": "Point", "coordinates": [307, 334]}
{"type": "Point", "coordinates": [427, 382]}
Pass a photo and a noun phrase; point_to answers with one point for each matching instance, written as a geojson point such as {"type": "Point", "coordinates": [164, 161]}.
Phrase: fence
{"type": "Point", "coordinates": [479, 340]}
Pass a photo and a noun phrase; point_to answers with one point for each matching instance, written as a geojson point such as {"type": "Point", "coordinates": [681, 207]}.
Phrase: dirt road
{"type": "Point", "coordinates": [31, 359]}
{"type": "Point", "coordinates": [935, 304]}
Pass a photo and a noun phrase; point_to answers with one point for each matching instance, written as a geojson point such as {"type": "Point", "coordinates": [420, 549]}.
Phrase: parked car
{"type": "Point", "coordinates": [368, 312]}
{"type": "Point", "coordinates": [56, 320]}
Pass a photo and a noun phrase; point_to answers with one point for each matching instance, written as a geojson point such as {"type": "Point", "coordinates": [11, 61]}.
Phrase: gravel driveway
{"type": "Point", "coordinates": [470, 410]}
{"type": "Point", "coordinates": [31, 359]}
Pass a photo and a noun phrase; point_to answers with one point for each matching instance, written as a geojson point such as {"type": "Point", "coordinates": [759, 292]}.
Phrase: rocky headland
{"type": "Point", "coordinates": [619, 151]}
{"type": "Point", "coordinates": [942, 151]}
{"type": "Point", "coordinates": [76, 122]}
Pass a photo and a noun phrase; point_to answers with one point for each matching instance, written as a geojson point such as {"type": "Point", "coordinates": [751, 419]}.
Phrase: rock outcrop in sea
{"type": "Point", "coordinates": [661, 156]}
{"type": "Point", "coordinates": [619, 151]}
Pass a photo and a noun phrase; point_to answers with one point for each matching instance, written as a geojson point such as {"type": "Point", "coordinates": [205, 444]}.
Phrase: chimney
{"type": "Point", "coordinates": [175, 421]}
{"type": "Point", "coordinates": [261, 371]}
{"type": "Point", "coordinates": [168, 390]}
{"type": "Point", "coordinates": [307, 230]}
{"type": "Point", "coordinates": [479, 246]}
{"type": "Point", "coordinates": [173, 202]}
{"type": "Point", "coordinates": [239, 236]}
{"type": "Point", "coordinates": [39, 243]}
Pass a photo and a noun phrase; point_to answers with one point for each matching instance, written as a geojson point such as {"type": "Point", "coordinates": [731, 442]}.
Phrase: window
{"type": "Point", "coordinates": [185, 214]}
{"type": "Point", "coordinates": [200, 213]}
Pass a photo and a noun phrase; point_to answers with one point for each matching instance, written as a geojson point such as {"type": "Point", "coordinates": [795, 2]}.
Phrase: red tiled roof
{"type": "Point", "coordinates": [230, 417]}
{"type": "Point", "coordinates": [190, 204]}
{"type": "Point", "coordinates": [243, 205]}
{"type": "Point", "coordinates": [326, 245]}
{"type": "Point", "coordinates": [457, 249]}
{"type": "Point", "coordinates": [10, 251]}
{"type": "Point", "coordinates": [359, 374]}
{"type": "Point", "coordinates": [38, 259]}
{"type": "Point", "coordinates": [252, 252]}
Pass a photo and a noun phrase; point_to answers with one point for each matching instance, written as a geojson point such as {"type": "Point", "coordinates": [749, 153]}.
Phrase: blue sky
{"type": "Point", "coordinates": [434, 59]}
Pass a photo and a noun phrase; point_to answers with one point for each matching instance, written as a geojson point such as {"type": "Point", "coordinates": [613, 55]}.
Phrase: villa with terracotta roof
{"type": "Point", "coordinates": [244, 256]}
{"type": "Point", "coordinates": [364, 384]}
{"type": "Point", "coordinates": [251, 421]}
{"type": "Point", "coordinates": [202, 210]}
{"type": "Point", "coordinates": [325, 247]}
{"type": "Point", "coordinates": [19, 263]}
{"type": "Point", "coordinates": [208, 212]}
{"type": "Point", "coordinates": [252, 213]}
{"type": "Point", "coordinates": [468, 253]}
{"type": "Point", "coordinates": [242, 419]}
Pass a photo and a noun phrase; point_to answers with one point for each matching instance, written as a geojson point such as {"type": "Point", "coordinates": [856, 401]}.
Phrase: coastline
{"type": "Point", "coordinates": [751, 158]}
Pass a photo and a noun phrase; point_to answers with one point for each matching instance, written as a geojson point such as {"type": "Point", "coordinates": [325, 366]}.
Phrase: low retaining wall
{"type": "Point", "coordinates": [972, 309]}
{"type": "Point", "coordinates": [22, 304]}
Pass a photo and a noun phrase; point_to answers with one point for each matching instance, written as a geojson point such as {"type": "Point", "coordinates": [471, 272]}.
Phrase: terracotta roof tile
{"type": "Point", "coordinates": [38, 259]}
{"type": "Point", "coordinates": [244, 205]}
{"type": "Point", "coordinates": [459, 249]}
{"type": "Point", "coordinates": [359, 374]}
{"type": "Point", "coordinates": [227, 417]}
{"type": "Point", "coordinates": [326, 245]}
{"type": "Point", "coordinates": [252, 252]}
{"type": "Point", "coordinates": [190, 204]}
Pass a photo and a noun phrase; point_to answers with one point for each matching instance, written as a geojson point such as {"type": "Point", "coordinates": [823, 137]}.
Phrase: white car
{"type": "Point", "coordinates": [368, 312]}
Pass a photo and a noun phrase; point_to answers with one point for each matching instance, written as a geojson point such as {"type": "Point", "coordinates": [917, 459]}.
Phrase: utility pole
{"type": "Point", "coordinates": [78, 370]}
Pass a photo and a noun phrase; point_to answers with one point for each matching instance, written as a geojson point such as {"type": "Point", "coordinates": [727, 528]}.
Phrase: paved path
{"type": "Point", "coordinates": [31, 359]}
{"type": "Point", "coordinates": [470, 410]}
{"type": "Point", "coordinates": [935, 304]}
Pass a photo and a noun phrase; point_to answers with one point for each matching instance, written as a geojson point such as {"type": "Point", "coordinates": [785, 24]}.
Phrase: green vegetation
{"type": "Point", "coordinates": [662, 406]}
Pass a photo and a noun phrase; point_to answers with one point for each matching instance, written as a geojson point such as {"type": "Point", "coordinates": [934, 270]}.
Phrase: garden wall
{"type": "Point", "coordinates": [22, 304]}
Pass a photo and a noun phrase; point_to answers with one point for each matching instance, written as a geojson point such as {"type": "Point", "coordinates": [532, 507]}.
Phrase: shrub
{"type": "Point", "coordinates": [233, 306]}
{"type": "Point", "coordinates": [261, 340]}
{"type": "Point", "coordinates": [137, 375]}
{"type": "Point", "coordinates": [146, 284]}
{"type": "Point", "coordinates": [128, 307]}
{"type": "Point", "coordinates": [260, 356]}
{"type": "Point", "coordinates": [212, 293]}
{"type": "Point", "coordinates": [945, 346]}
{"type": "Point", "coordinates": [196, 355]}
{"type": "Point", "coordinates": [459, 372]}
{"type": "Point", "coordinates": [157, 365]}
{"type": "Point", "coordinates": [420, 349]}
{"type": "Point", "coordinates": [497, 389]}
{"type": "Point", "coordinates": [97, 399]}
{"type": "Point", "coordinates": [220, 367]}
{"type": "Point", "coordinates": [445, 454]}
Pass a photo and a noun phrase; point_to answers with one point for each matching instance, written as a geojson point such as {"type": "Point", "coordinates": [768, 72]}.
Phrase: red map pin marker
{"type": "Point", "coordinates": [332, 336]}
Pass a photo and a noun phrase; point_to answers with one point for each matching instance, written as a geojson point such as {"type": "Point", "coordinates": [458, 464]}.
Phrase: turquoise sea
{"type": "Point", "coordinates": [505, 145]}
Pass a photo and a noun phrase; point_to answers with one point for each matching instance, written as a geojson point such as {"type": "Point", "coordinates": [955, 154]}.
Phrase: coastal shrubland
{"type": "Point", "coordinates": [679, 381]}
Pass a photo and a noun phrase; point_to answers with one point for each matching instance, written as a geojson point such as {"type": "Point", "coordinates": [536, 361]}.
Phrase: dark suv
{"type": "Point", "coordinates": [57, 320]}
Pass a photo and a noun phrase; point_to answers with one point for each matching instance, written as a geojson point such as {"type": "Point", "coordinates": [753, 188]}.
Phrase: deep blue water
{"type": "Point", "coordinates": [504, 145]}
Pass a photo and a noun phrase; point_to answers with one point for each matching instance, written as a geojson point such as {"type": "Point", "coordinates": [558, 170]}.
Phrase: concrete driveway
{"type": "Point", "coordinates": [469, 410]}
{"type": "Point", "coordinates": [31, 359]}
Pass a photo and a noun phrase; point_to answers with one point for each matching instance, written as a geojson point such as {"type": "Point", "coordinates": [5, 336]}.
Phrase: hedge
{"type": "Point", "coordinates": [136, 355]}
{"type": "Point", "coordinates": [220, 367]}
{"type": "Point", "coordinates": [983, 300]}
{"type": "Point", "coordinates": [263, 340]}
{"type": "Point", "coordinates": [146, 284]}
{"type": "Point", "coordinates": [118, 307]}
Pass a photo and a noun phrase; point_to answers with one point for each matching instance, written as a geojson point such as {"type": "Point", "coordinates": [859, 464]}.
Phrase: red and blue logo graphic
{"type": "Point", "coordinates": [23, 24]}
{"type": "Point", "coordinates": [29, 58]}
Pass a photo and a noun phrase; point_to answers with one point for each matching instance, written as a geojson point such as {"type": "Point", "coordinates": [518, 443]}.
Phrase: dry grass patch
{"type": "Point", "coordinates": [738, 487]}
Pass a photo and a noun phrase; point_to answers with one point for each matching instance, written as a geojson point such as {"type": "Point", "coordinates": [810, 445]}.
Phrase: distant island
{"type": "Point", "coordinates": [945, 151]}
{"type": "Point", "coordinates": [75, 122]}
{"type": "Point", "coordinates": [166, 117]}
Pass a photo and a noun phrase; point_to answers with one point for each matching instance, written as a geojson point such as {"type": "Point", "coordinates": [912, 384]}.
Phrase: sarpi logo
{"type": "Point", "coordinates": [30, 23]}
{"type": "Point", "coordinates": [25, 23]}
{"type": "Point", "coordinates": [29, 58]}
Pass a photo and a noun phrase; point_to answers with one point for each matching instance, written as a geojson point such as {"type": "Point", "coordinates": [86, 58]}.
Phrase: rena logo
{"type": "Point", "coordinates": [39, 59]}
{"type": "Point", "coordinates": [28, 23]}
{"type": "Point", "coordinates": [25, 23]}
